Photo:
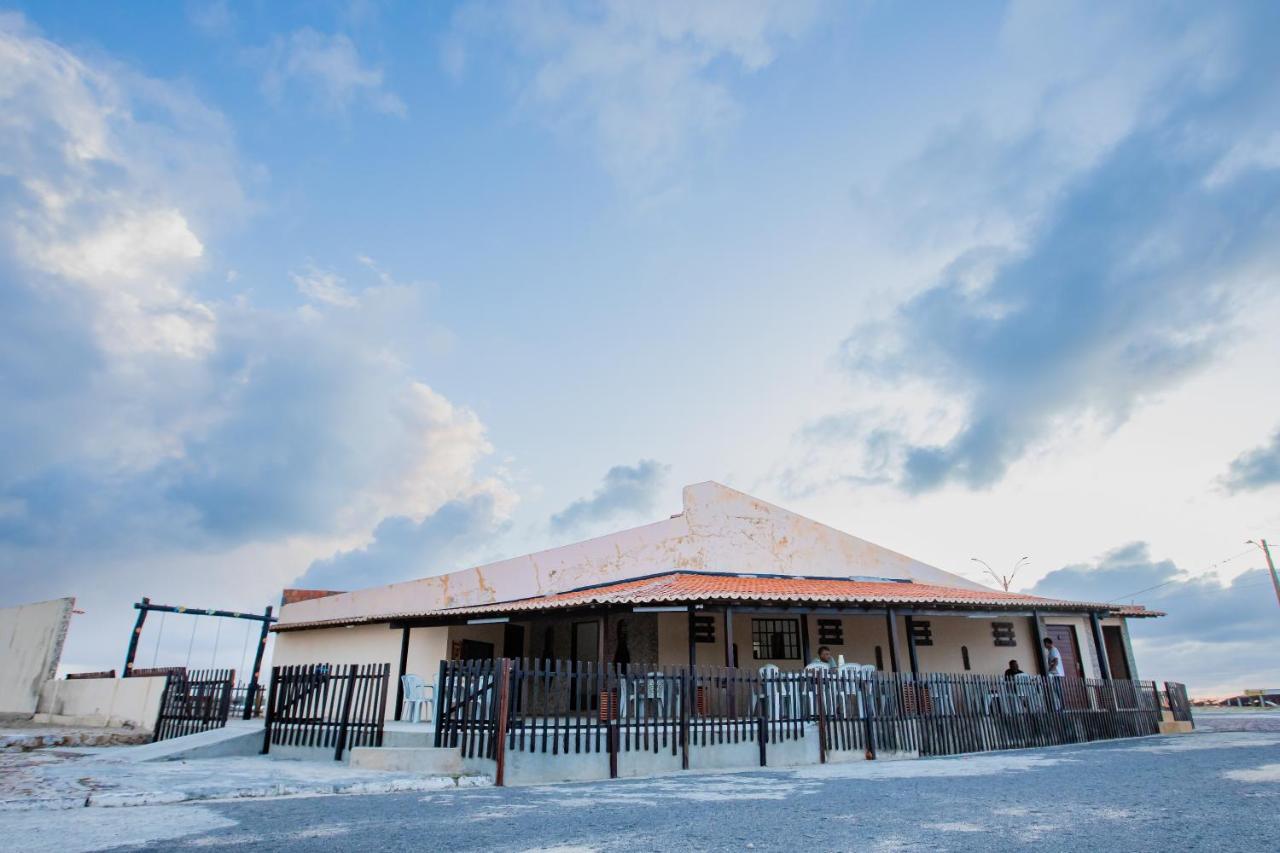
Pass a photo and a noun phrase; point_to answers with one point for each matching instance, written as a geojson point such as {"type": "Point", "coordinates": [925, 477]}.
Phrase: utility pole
{"type": "Point", "coordinates": [1275, 581]}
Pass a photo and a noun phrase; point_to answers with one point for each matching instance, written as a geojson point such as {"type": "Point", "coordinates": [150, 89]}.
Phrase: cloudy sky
{"type": "Point", "coordinates": [344, 293]}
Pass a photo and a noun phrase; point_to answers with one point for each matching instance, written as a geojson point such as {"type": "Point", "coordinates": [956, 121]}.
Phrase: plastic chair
{"type": "Point", "coordinates": [653, 688]}
{"type": "Point", "coordinates": [775, 694]}
{"type": "Point", "coordinates": [416, 698]}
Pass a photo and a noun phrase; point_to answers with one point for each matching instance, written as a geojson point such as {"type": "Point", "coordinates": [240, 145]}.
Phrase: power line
{"type": "Point", "coordinates": [1207, 568]}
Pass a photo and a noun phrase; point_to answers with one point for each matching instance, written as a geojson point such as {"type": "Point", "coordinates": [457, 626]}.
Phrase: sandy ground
{"type": "Point", "coordinates": [1206, 791]}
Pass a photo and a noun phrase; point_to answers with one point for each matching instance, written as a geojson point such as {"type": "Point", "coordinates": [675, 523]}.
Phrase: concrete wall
{"type": "Point", "coordinates": [115, 702]}
{"type": "Point", "coordinates": [31, 638]}
{"type": "Point", "coordinates": [720, 530]}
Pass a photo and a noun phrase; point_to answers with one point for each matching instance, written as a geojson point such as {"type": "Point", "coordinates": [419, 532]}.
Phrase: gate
{"type": "Point", "coordinates": [194, 701]}
{"type": "Point", "coordinates": [326, 707]}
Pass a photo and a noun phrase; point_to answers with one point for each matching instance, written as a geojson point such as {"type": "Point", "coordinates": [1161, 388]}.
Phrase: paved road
{"type": "Point", "coordinates": [1214, 790]}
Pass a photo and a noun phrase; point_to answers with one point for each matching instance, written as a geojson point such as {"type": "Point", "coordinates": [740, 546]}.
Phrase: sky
{"type": "Point", "coordinates": [336, 294]}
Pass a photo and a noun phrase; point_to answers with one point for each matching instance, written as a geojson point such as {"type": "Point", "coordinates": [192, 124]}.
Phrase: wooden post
{"type": "Point", "coordinates": [346, 712]}
{"type": "Point", "coordinates": [500, 729]}
{"type": "Point", "coordinates": [728, 638]}
{"type": "Point", "coordinates": [251, 692]}
{"type": "Point", "coordinates": [891, 617]}
{"type": "Point", "coordinates": [1099, 645]}
{"type": "Point", "coordinates": [269, 713]}
{"type": "Point", "coordinates": [804, 639]}
{"type": "Point", "coordinates": [600, 640]}
{"type": "Point", "coordinates": [911, 647]}
{"type": "Point", "coordinates": [693, 646]}
{"type": "Point", "coordinates": [686, 690]}
{"type": "Point", "coordinates": [1039, 638]}
{"type": "Point", "coordinates": [819, 686]}
{"type": "Point", "coordinates": [133, 639]}
{"type": "Point", "coordinates": [404, 664]}
{"type": "Point", "coordinates": [441, 697]}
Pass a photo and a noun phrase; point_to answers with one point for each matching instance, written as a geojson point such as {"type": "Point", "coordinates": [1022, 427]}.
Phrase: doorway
{"type": "Point", "coordinates": [1113, 638]}
{"type": "Point", "coordinates": [584, 646]}
{"type": "Point", "coordinates": [1064, 638]}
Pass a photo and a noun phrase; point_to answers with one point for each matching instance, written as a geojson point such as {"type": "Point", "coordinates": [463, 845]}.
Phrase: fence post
{"type": "Point", "coordinates": [819, 687]}
{"type": "Point", "coordinates": [868, 708]}
{"type": "Point", "coordinates": [269, 711]}
{"type": "Point", "coordinates": [686, 689]}
{"type": "Point", "coordinates": [500, 727]}
{"type": "Point", "coordinates": [352, 669]}
{"type": "Point", "coordinates": [164, 703]}
{"type": "Point", "coordinates": [441, 693]}
{"type": "Point", "coordinates": [762, 737]}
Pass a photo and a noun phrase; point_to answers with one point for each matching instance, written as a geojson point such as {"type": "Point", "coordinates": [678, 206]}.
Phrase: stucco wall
{"type": "Point", "coordinates": [133, 702]}
{"type": "Point", "coordinates": [31, 637]}
{"type": "Point", "coordinates": [719, 530]}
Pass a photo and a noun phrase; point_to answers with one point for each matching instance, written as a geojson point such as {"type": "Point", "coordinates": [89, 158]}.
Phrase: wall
{"type": "Point", "coordinates": [985, 657]}
{"type": "Point", "coordinates": [720, 529]}
{"type": "Point", "coordinates": [31, 638]}
{"type": "Point", "coordinates": [114, 702]}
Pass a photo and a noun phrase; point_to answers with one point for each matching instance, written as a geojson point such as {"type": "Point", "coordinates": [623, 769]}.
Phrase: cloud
{"type": "Point", "coordinates": [1098, 249]}
{"type": "Point", "coordinates": [160, 440]}
{"type": "Point", "coordinates": [643, 82]}
{"type": "Point", "coordinates": [328, 70]}
{"type": "Point", "coordinates": [1255, 469]}
{"type": "Point", "coordinates": [322, 286]}
{"type": "Point", "coordinates": [626, 490]}
{"type": "Point", "coordinates": [1217, 635]}
{"type": "Point", "coordinates": [403, 549]}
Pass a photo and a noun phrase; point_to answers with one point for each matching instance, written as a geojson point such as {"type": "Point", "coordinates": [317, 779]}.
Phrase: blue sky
{"type": "Point", "coordinates": [352, 292]}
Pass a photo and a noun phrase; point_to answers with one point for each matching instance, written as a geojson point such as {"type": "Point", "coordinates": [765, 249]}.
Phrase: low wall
{"type": "Point", "coordinates": [31, 637]}
{"type": "Point", "coordinates": [115, 702]}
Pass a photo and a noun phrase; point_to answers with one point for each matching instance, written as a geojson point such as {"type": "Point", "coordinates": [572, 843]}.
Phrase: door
{"type": "Point", "coordinates": [584, 646]}
{"type": "Point", "coordinates": [513, 641]}
{"type": "Point", "coordinates": [476, 650]}
{"type": "Point", "coordinates": [1118, 660]}
{"type": "Point", "coordinates": [1064, 638]}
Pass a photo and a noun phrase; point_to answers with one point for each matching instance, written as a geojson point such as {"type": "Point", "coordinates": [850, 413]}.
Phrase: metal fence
{"type": "Point", "coordinates": [326, 706]}
{"type": "Point", "coordinates": [1175, 699]}
{"type": "Point", "coordinates": [194, 701]}
{"type": "Point", "coordinates": [488, 707]}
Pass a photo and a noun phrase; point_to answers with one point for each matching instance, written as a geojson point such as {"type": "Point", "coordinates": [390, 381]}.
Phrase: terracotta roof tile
{"type": "Point", "coordinates": [688, 587]}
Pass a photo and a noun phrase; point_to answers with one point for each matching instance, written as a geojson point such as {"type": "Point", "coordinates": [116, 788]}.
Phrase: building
{"type": "Point", "coordinates": [730, 580]}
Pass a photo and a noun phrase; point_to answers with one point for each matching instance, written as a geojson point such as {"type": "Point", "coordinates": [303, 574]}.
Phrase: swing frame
{"type": "Point", "coordinates": [145, 606]}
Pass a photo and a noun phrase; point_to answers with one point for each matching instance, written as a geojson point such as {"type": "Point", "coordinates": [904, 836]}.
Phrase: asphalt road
{"type": "Point", "coordinates": [1218, 791]}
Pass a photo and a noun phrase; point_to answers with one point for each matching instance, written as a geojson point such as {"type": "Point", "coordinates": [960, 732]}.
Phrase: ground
{"type": "Point", "coordinates": [1210, 790]}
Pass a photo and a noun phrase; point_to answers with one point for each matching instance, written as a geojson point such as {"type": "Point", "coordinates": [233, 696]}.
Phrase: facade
{"type": "Point", "coordinates": [729, 581]}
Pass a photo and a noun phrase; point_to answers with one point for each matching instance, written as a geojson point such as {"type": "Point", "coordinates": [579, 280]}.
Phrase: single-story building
{"type": "Point", "coordinates": [729, 581]}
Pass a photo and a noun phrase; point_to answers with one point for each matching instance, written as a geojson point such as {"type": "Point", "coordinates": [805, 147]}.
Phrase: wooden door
{"type": "Point", "coordinates": [1064, 639]}
{"type": "Point", "coordinates": [512, 641]}
{"type": "Point", "coordinates": [1119, 661]}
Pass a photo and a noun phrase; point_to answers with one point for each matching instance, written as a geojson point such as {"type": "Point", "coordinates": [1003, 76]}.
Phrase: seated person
{"type": "Point", "coordinates": [1013, 671]}
{"type": "Point", "coordinates": [825, 658]}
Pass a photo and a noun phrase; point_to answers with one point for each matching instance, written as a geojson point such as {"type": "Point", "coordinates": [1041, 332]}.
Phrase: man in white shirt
{"type": "Point", "coordinates": [1053, 666]}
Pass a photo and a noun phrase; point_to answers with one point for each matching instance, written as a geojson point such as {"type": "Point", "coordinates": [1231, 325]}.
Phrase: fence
{"type": "Point", "coordinates": [326, 707]}
{"type": "Point", "coordinates": [487, 708]}
{"type": "Point", "coordinates": [194, 701]}
{"type": "Point", "coordinates": [1175, 699]}
{"type": "Point", "coordinates": [240, 694]}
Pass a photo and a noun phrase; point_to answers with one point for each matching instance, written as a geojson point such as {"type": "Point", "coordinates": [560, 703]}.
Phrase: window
{"type": "Point", "coordinates": [964, 657]}
{"type": "Point", "coordinates": [1002, 632]}
{"type": "Point", "coordinates": [879, 659]}
{"type": "Point", "coordinates": [775, 639]}
{"type": "Point", "coordinates": [831, 632]}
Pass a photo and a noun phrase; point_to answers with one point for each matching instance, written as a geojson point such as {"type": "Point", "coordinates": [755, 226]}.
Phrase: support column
{"type": "Point", "coordinates": [1038, 633]}
{"type": "Point", "coordinates": [891, 617]}
{"type": "Point", "coordinates": [404, 664]}
{"type": "Point", "coordinates": [693, 645]}
{"type": "Point", "coordinates": [251, 692]}
{"type": "Point", "coordinates": [1100, 646]}
{"type": "Point", "coordinates": [728, 637]}
{"type": "Point", "coordinates": [804, 639]}
{"type": "Point", "coordinates": [603, 624]}
{"type": "Point", "coordinates": [911, 648]}
{"type": "Point", "coordinates": [133, 640]}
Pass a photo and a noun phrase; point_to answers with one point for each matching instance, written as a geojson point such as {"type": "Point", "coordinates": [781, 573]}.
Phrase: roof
{"type": "Point", "coordinates": [688, 587]}
{"type": "Point", "coordinates": [292, 596]}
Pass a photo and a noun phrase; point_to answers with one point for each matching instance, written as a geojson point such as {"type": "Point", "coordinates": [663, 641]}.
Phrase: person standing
{"type": "Point", "coordinates": [1053, 666]}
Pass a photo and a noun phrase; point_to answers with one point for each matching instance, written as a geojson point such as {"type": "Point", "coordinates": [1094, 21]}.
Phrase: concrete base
{"type": "Point", "coordinates": [424, 760]}
{"type": "Point", "coordinates": [238, 737]}
{"type": "Point", "coordinates": [1176, 727]}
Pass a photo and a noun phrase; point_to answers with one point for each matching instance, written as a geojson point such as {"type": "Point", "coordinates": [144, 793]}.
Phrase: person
{"type": "Point", "coordinates": [825, 658]}
{"type": "Point", "coordinates": [1013, 671]}
{"type": "Point", "coordinates": [1053, 668]}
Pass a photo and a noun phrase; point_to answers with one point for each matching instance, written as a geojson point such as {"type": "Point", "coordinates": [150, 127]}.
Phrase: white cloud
{"type": "Point", "coordinates": [322, 286]}
{"type": "Point", "coordinates": [640, 79]}
{"type": "Point", "coordinates": [329, 71]}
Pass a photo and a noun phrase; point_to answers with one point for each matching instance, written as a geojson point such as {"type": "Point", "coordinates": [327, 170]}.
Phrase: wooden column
{"type": "Point", "coordinates": [133, 639]}
{"type": "Point", "coordinates": [891, 618]}
{"type": "Point", "coordinates": [1039, 639]}
{"type": "Point", "coordinates": [404, 664]}
{"type": "Point", "coordinates": [251, 692]}
{"type": "Point", "coordinates": [728, 637]}
{"type": "Point", "coordinates": [804, 639]}
{"type": "Point", "coordinates": [911, 647]}
{"type": "Point", "coordinates": [1100, 646]}
{"type": "Point", "coordinates": [693, 646]}
{"type": "Point", "coordinates": [603, 624]}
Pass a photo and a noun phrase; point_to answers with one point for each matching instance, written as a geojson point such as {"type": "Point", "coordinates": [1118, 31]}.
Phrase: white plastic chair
{"type": "Point", "coordinates": [653, 688]}
{"type": "Point", "coordinates": [850, 675]}
{"type": "Point", "coordinates": [418, 697]}
{"type": "Point", "coordinates": [775, 693]}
